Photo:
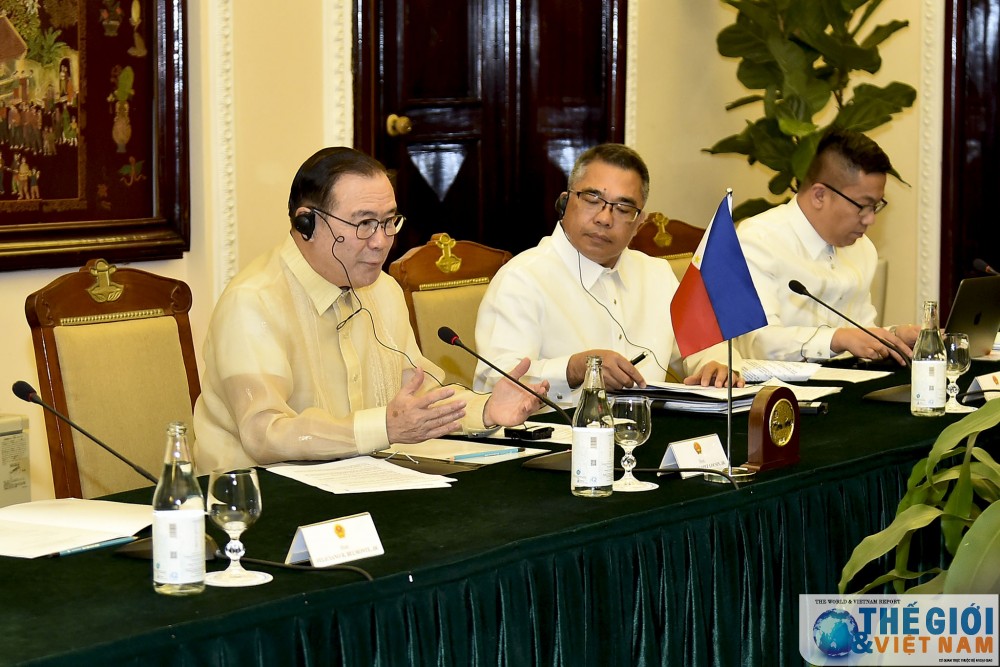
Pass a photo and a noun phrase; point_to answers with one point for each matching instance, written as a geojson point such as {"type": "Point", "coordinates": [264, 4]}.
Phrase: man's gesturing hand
{"type": "Point", "coordinates": [411, 417]}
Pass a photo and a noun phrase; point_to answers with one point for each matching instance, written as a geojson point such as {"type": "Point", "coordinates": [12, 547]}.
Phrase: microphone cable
{"type": "Point", "coordinates": [302, 568]}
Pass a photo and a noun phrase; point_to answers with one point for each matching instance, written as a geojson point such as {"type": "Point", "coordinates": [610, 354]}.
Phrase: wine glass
{"type": "Point", "coordinates": [633, 425]}
{"type": "Point", "coordinates": [234, 504]}
{"type": "Point", "coordinates": [956, 348]}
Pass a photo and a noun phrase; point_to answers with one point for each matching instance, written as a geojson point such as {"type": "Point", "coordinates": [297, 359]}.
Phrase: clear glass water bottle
{"type": "Point", "coordinates": [593, 437]}
{"type": "Point", "coordinates": [928, 382]}
{"type": "Point", "coordinates": [178, 521]}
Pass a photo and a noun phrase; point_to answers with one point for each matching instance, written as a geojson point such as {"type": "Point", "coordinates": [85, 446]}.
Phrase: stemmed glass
{"type": "Point", "coordinates": [234, 504]}
{"type": "Point", "coordinates": [956, 348]}
{"type": "Point", "coordinates": [633, 425]}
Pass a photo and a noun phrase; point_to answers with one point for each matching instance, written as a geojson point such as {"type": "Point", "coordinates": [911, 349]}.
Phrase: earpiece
{"type": "Point", "coordinates": [561, 204]}
{"type": "Point", "coordinates": [305, 224]}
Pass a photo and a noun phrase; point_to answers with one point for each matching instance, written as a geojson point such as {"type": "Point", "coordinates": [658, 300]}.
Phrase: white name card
{"type": "Point", "coordinates": [989, 383]}
{"type": "Point", "coordinates": [703, 452]}
{"type": "Point", "coordinates": [336, 541]}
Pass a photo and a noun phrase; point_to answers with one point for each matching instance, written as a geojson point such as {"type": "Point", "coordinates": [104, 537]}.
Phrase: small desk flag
{"type": "Point", "coordinates": [716, 300]}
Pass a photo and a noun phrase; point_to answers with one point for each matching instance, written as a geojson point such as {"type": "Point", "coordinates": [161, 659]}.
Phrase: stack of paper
{"type": "Point", "coordinates": [695, 398]}
{"type": "Point", "coordinates": [54, 527]}
{"type": "Point", "coordinates": [363, 474]}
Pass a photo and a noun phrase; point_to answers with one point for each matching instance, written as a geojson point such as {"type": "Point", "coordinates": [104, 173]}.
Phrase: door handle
{"type": "Point", "coordinates": [397, 126]}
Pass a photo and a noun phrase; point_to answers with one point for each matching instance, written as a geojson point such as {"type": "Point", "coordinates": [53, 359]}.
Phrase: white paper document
{"type": "Point", "coordinates": [762, 370]}
{"type": "Point", "coordinates": [445, 449]}
{"type": "Point", "coordinates": [48, 527]}
{"type": "Point", "coordinates": [852, 375]}
{"type": "Point", "coordinates": [362, 474]}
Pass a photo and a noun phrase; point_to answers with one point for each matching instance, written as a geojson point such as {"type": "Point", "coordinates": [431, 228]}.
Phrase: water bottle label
{"type": "Point", "coordinates": [178, 546]}
{"type": "Point", "coordinates": [928, 384]}
{"type": "Point", "coordinates": [593, 456]}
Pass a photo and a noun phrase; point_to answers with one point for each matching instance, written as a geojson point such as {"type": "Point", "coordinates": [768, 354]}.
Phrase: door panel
{"type": "Point", "coordinates": [501, 98]}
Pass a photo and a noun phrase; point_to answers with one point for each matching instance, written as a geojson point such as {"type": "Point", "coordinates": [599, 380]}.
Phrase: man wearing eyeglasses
{"type": "Point", "coordinates": [818, 238]}
{"type": "Point", "coordinates": [308, 345]}
{"type": "Point", "coordinates": [582, 291]}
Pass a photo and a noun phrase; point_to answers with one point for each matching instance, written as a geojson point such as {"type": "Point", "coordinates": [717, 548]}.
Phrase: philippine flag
{"type": "Point", "coordinates": [716, 299]}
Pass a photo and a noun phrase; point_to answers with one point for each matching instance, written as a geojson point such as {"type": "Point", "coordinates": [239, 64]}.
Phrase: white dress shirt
{"type": "Point", "coordinates": [781, 245]}
{"type": "Point", "coordinates": [550, 302]}
{"type": "Point", "coordinates": [284, 381]}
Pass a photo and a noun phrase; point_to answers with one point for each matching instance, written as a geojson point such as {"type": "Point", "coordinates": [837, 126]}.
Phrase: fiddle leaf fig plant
{"type": "Point", "coordinates": [800, 55]}
{"type": "Point", "coordinates": [953, 491]}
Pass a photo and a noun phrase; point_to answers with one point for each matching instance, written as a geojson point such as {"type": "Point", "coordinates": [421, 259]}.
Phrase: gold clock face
{"type": "Point", "coordinates": [781, 422]}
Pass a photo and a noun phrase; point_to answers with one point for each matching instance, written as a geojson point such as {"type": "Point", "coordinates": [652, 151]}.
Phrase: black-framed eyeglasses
{"type": "Point", "coordinates": [367, 228]}
{"type": "Point", "coordinates": [620, 211]}
{"type": "Point", "coordinates": [863, 209]}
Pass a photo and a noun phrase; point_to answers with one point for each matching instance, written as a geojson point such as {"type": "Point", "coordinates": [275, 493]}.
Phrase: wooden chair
{"type": "Point", "coordinates": [672, 240]}
{"type": "Point", "coordinates": [444, 281]}
{"type": "Point", "coordinates": [114, 352]}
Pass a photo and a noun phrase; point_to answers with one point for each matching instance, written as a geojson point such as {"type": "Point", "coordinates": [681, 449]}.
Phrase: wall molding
{"type": "Point", "coordinates": [338, 73]}
{"type": "Point", "coordinates": [631, 71]}
{"type": "Point", "coordinates": [930, 102]}
{"type": "Point", "coordinates": [221, 210]}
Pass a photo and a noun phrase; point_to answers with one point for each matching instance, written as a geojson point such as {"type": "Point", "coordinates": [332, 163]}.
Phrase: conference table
{"type": "Point", "coordinates": [506, 567]}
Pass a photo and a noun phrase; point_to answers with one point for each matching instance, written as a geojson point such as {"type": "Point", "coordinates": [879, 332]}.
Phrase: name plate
{"type": "Point", "coordinates": [336, 541]}
{"type": "Point", "coordinates": [703, 452]}
{"type": "Point", "coordinates": [989, 384]}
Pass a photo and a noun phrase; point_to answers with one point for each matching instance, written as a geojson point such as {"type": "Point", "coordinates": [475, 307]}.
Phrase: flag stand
{"type": "Point", "coordinates": [736, 473]}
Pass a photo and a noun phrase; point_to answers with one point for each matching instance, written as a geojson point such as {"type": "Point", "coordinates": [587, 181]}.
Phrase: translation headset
{"type": "Point", "coordinates": [561, 204]}
{"type": "Point", "coordinates": [305, 224]}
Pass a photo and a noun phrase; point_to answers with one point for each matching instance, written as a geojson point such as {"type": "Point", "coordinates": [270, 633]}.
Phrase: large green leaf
{"type": "Point", "coordinates": [872, 106]}
{"type": "Point", "coordinates": [882, 542]}
{"type": "Point", "coordinates": [804, 153]}
{"type": "Point", "coordinates": [781, 182]}
{"type": "Point", "coordinates": [976, 566]}
{"type": "Point", "coordinates": [771, 146]}
{"type": "Point", "coordinates": [737, 143]}
{"type": "Point", "coordinates": [882, 33]}
{"type": "Point", "coordinates": [958, 505]}
{"type": "Point", "coordinates": [984, 418]}
{"type": "Point", "coordinates": [794, 118]}
{"type": "Point", "coordinates": [759, 75]}
{"type": "Point", "coordinates": [759, 13]}
{"type": "Point", "coordinates": [740, 41]}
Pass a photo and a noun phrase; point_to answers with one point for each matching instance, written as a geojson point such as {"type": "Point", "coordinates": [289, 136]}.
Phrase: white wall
{"type": "Point", "coordinates": [268, 88]}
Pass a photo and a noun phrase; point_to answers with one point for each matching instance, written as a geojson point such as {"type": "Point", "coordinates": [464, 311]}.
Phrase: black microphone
{"type": "Point", "coordinates": [799, 288]}
{"type": "Point", "coordinates": [448, 335]}
{"type": "Point", "coordinates": [983, 267]}
{"type": "Point", "coordinates": [26, 392]}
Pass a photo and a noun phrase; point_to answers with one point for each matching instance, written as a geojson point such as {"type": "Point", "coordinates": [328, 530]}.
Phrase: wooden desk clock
{"type": "Point", "coordinates": [773, 430]}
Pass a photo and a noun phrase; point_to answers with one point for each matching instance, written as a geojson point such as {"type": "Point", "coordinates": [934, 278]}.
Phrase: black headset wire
{"type": "Point", "coordinates": [361, 306]}
{"type": "Point", "coordinates": [579, 268]}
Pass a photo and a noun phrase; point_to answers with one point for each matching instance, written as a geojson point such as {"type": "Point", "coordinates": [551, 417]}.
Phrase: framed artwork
{"type": "Point", "coordinates": [93, 132]}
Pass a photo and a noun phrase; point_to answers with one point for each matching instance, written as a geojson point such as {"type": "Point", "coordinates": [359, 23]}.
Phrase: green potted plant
{"type": "Point", "coordinates": [800, 55]}
{"type": "Point", "coordinates": [954, 491]}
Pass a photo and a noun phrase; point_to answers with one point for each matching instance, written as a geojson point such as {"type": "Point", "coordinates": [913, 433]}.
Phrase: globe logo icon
{"type": "Point", "coordinates": [834, 632]}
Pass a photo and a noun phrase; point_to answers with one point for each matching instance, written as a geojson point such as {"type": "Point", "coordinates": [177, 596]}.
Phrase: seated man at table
{"type": "Point", "coordinates": [583, 292]}
{"type": "Point", "coordinates": [818, 238]}
{"type": "Point", "coordinates": [308, 345]}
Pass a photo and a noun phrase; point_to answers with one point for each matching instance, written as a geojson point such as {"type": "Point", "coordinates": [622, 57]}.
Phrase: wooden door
{"type": "Point", "coordinates": [971, 176]}
{"type": "Point", "coordinates": [500, 98]}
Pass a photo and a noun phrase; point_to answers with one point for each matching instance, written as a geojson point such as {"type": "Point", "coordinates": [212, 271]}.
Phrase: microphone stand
{"type": "Point", "coordinates": [896, 394]}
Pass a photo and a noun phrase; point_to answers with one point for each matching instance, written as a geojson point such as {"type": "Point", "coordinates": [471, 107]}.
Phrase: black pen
{"type": "Point", "coordinates": [639, 358]}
